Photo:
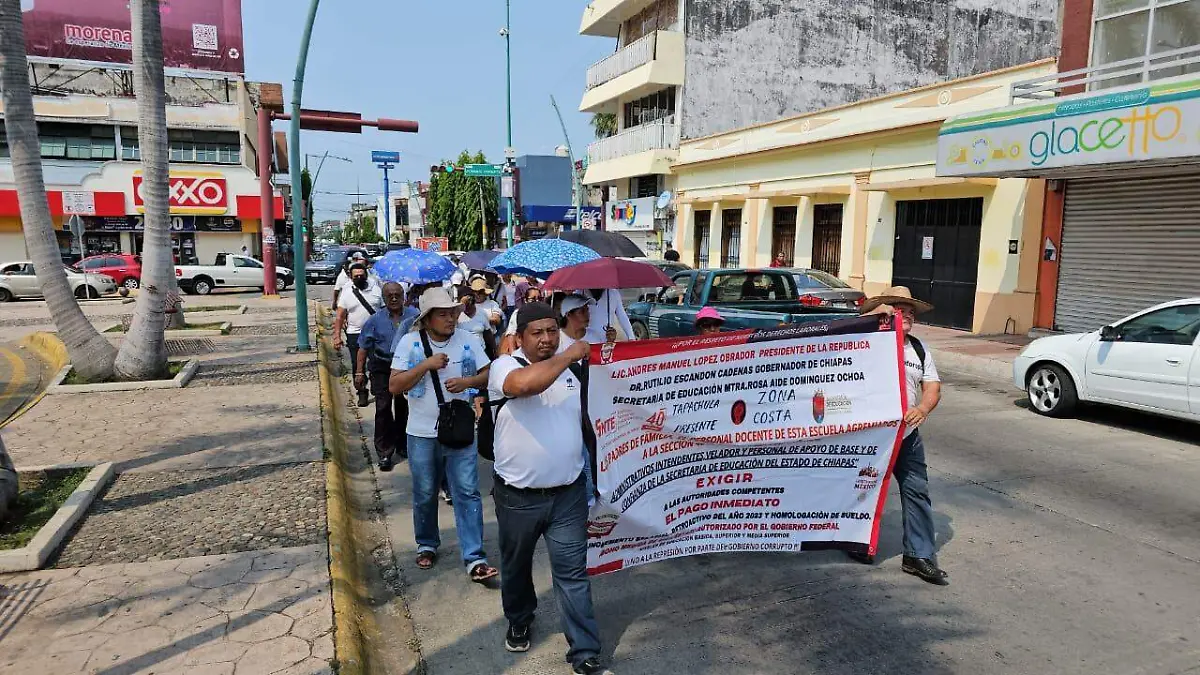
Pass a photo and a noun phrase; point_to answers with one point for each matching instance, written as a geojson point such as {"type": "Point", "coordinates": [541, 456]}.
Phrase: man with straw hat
{"type": "Point", "coordinates": [924, 392]}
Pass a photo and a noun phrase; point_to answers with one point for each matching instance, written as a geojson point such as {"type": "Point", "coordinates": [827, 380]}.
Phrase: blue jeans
{"type": "Point", "coordinates": [560, 518]}
{"type": "Point", "coordinates": [426, 459]}
{"type": "Point", "coordinates": [913, 478]}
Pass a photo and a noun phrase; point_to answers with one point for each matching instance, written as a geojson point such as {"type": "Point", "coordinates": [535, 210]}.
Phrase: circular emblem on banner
{"type": "Point", "coordinates": [738, 413]}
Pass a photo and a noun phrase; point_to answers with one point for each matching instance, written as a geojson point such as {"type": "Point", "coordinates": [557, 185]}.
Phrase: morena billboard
{"type": "Point", "coordinates": [197, 34]}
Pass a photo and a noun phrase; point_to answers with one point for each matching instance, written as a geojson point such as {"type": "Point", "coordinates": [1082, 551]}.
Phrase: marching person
{"type": "Point", "coordinates": [354, 306]}
{"type": "Point", "coordinates": [576, 313]}
{"type": "Point", "coordinates": [709, 321]}
{"type": "Point", "coordinates": [671, 255]}
{"type": "Point", "coordinates": [609, 311]}
{"type": "Point", "coordinates": [428, 367]}
{"type": "Point", "coordinates": [374, 356]}
{"type": "Point", "coordinates": [924, 393]}
{"type": "Point", "coordinates": [540, 490]}
{"type": "Point", "coordinates": [343, 276]}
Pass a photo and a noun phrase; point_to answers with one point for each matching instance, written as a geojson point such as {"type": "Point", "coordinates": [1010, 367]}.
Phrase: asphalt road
{"type": "Point", "coordinates": [1073, 547]}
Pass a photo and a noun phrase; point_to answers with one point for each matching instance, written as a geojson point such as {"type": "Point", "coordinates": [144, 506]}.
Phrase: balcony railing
{"type": "Point", "coordinates": [1115, 74]}
{"type": "Point", "coordinates": [635, 54]}
{"type": "Point", "coordinates": [660, 135]}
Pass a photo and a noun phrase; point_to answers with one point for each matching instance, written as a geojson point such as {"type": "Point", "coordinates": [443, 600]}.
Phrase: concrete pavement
{"type": "Point", "coordinates": [1072, 547]}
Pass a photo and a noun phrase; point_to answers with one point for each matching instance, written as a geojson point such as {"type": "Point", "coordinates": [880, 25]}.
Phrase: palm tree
{"type": "Point", "coordinates": [8, 482]}
{"type": "Point", "coordinates": [91, 354]}
{"type": "Point", "coordinates": [143, 353]}
{"type": "Point", "coordinates": [604, 124]}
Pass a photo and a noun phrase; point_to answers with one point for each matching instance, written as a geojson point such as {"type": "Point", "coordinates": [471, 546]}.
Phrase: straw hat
{"type": "Point", "coordinates": [436, 298]}
{"type": "Point", "coordinates": [896, 295]}
{"type": "Point", "coordinates": [480, 284]}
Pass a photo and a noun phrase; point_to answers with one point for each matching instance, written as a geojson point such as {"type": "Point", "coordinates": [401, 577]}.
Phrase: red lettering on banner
{"type": "Point", "coordinates": [203, 193]}
{"type": "Point", "coordinates": [725, 479]}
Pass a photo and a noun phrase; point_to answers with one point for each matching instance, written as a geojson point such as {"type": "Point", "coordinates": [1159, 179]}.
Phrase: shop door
{"type": "Point", "coordinates": [731, 237]}
{"type": "Point", "coordinates": [783, 235]}
{"type": "Point", "coordinates": [827, 238]}
{"type": "Point", "coordinates": [703, 222]}
{"type": "Point", "coordinates": [937, 256]}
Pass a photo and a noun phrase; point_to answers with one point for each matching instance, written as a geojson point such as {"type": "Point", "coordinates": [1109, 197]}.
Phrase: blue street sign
{"type": "Point", "coordinates": [385, 157]}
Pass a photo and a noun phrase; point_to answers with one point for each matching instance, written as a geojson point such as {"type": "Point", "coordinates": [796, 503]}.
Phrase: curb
{"type": "Point", "coordinates": [34, 554]}
{"type": "Point", "coordinates": [995, 370]}
{"type": "Point", "coordinates": [370, 630]}
{"type": "Point", "coordinates": [47, 347]}
{"type": "Point", "coordinates": [179, 381]}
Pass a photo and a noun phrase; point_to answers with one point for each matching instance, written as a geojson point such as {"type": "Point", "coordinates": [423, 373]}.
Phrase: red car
{"type": "Point", "coordinates": [124, 268]}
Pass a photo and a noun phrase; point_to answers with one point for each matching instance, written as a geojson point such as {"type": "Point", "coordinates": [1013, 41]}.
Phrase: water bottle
{"type": "Point", "coordinates": [415, 357]}
{"type": "Point", "coordinates": [468, 367]}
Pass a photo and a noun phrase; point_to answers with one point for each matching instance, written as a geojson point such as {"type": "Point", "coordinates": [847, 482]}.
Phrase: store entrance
{"type": "Point", "coordinates": [937, 256]}
{"type": "Point", "coordinates": [183, 247]}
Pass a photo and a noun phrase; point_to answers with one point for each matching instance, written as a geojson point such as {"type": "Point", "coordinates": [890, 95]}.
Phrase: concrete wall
{"type": "Point", "coordinates": [753, 61]}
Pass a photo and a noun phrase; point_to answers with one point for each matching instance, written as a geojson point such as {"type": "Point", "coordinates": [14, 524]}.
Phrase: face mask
{"type": "Point", "coordinates": [361, 282]}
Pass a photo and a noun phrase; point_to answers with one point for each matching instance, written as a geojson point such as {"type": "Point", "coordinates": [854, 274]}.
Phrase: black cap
{"type": "Point", "coordinates": [534, 311]}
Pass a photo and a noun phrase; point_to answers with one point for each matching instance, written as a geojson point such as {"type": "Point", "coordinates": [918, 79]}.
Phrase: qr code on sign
{"type": "Point", "coordinates": [204, 36]}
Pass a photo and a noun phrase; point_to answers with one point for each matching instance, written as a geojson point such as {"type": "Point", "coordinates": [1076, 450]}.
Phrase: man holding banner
{"type": "Point", "coordinates": [924, 392]}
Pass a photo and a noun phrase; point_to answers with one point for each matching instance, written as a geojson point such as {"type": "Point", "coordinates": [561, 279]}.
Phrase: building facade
{"type": "Point", "coordinates": [686, 69]}
{"type": "Point", "coordinates": [91, 162]}
{"type": "Point", "coordinates": [1113, 134]}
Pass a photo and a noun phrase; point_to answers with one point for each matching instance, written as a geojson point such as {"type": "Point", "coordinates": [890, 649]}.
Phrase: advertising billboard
{"type": "Point", "coordinates": [197, 34]}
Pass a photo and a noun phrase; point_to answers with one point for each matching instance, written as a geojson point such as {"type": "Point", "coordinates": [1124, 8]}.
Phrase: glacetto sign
{"type": "Point", "coordinates": [1129, 126]}
{"type": "Point", "coordinates": [200, 193]}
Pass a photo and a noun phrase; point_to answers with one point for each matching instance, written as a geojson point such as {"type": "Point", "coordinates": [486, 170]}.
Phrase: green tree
{"type": "Point", "coordinates": [460, 206]}
{"type": "Point", "coordinates": [361, 230]}
{"type": "Point", "coordinates": [604, 124]}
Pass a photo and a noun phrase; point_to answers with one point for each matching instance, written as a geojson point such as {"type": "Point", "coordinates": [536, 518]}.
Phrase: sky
{"type": "Point", "coordinates": [439, 62]}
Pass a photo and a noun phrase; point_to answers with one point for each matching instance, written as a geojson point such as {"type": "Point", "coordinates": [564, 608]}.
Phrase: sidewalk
{"type": "Point", "coordinates": [208, 554]}
{"type": "Point", "coordinates": [960, 352]}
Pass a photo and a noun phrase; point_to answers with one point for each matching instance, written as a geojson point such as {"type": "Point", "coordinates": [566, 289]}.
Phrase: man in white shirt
{"type": "Point", "coordinates": [484, 301]}
{"type": "Point", "coordinates": [540, 489]}
{"type": "Point", "coordinates": [924, 388]}
{"type": "Point", "coordinates": [413, 374]}
{"type": "Point", "coordinates": [607, 312]}
{"type": "Point", "coordinates": [354, 306]}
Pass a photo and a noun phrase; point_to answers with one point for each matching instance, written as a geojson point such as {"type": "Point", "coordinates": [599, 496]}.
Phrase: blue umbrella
{"type": "Point", "coordinates": [478, 260]}
{"type": "Point", "coordinates": [414, 266]}
{"type": "Point", "coordinates": [540, 257]}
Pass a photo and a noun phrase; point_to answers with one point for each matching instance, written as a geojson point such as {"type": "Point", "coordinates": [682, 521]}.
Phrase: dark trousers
{"type": "Point", "coordinates": [912, 475]}
{"type": "Point", "coordinates": [561, 519]}
{"type": "Point", "coordinates": [391, 417]}
{"type": "Point", "coordinates": [352, 345]}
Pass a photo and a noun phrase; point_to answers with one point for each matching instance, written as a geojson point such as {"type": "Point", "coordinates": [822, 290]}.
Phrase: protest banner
{"type": "Point", "coordinates": [775, 440]}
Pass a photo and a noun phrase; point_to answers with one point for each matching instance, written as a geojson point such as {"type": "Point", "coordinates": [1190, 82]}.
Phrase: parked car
{"type": "Point", "coordinates": [334, 259]}
{"type": "Point", "coordinates": [1149, 361]}
{"type": "Point", "coordinates": [17, 280]}
{"type": "Point", "coordinates": [819, 288]}
{"type": "Point", "coordinates": [228, 271]}
{"type": "Point", "coordinates": [669, 268]}
{"type": "Point", "coordinates": [746, 298]}
{"type": "Point", "coordinates": [124, 268]}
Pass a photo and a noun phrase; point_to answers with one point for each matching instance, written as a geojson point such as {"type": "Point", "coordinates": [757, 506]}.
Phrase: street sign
{"type": "Point", "coordinates": [488, 170]}
{"type": "Point", "coordinates": [385, 157]}
{"type": "Point", "coordinates": [75, 224]}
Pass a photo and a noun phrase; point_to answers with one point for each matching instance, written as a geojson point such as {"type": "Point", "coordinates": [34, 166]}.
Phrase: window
{"type": "Point", "coordinates": [674, 295]}
{"type": "Point", "coordinates": [652, 108]}
{"type": "Point", "coordinates": [643, 186]}
{"type": "Point", "coordinates": [77, 141]}
{"type": "Point", "coordinates": [17, 268]}
{"type": "Point", "coordinates": [1171, 326]}
{"type": "Point", "coordinates": [93, 263]}
{"type": "Point", "coordinates": [752, 287]}
{"type": "Point", "coordinates": [190, 147]}
{"type": "Point", "coordinates": [1144, 29]}
{"type": "Point", "coordinates": [244, 262]}
{"type": "Point", "coordinates": [697, 297]}
{"type": "Point", "coordinates": [731, 237]}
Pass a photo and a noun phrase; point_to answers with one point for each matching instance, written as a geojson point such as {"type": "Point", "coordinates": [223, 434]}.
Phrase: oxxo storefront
{"type": "Point", "coordinates": [854, 191]}
{"type": "Point", "coordinates": [213, 210]}
{"type": "Point", "coordinates": [1121, 226]}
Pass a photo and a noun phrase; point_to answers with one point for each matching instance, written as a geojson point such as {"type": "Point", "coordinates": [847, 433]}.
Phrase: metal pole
{"type": "Point", "coordinates": [302, 344]}
{"type": "Point", "coordinates": [482, 216]}
{"type": "Point", "coordinates": [387, 207]}
{"type": "Point", "coordinates": [266, 196]}
{"type": "Point", "coordinates": [576, 180]}
{"type": "Point", "coordinates": [508, 97]}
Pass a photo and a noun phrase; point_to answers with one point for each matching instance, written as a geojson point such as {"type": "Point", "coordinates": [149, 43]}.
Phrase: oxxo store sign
{"type": "Point", "coordinates": [1147, 123]}
{"type": "Point", "coordinates": [194, 193]}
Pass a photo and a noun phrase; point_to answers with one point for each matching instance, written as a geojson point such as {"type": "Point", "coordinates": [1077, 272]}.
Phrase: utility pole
{"type": "Point", "coordinates": [298, 260]}
{"type": "Point", "coordinates": [509, 151]}
{"type": "Point", "coordinates": [576, 180]}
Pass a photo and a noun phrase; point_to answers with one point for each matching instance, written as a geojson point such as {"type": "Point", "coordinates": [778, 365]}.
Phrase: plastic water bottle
{"type": "Point", "coordinates": [416, 356]}
{"type": "Point", "coordinates": [469, 369]}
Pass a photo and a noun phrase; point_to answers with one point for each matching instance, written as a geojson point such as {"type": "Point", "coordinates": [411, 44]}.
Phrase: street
{"type": "Point", "coordinates": [1072, 545]}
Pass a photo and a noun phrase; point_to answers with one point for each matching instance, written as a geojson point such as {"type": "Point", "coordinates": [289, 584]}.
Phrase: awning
{"type": "Point", "coordinates": [535, 213]}
{"type": "Point", "coordinates": [1083, 134]}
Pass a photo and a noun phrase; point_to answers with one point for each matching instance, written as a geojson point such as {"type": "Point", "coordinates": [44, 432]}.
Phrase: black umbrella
{"type": "Point", "coordinates": [478, 260]}
{"type": "Point", "coordinates": [607, 244]}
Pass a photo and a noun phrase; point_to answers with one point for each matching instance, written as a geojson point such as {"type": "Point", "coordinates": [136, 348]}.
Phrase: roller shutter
{"type": "Point", "coordinates": [1128, 243]}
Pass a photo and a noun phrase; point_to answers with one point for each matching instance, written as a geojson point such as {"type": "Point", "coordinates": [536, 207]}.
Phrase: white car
{"type": "Point", "coordinates": [17, 280]}
{"type": "Point", "coordinates": [1149, 361]}
{"type": "Point", "coordinates": [228, 271]}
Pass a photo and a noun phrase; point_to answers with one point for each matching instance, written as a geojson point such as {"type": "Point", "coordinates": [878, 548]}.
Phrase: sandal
{"type": "Point", "coordinates": [426, 559]}
{"type": "Point", "coordinates": [482, 572]}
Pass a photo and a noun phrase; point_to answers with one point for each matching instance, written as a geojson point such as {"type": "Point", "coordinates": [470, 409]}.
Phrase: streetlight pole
{"type": "Point", "coordinates": [298, 261]}
{"type": "Point", "coordinates": [508, 150]}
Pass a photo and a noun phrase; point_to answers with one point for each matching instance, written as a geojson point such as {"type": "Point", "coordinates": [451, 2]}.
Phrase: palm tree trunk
{"type": "Point", "coordinates": [143, 353]}
{"type": "Point", "coordinates": [8, 482]}
{"type": "Point", "coordinates": [91, 354]}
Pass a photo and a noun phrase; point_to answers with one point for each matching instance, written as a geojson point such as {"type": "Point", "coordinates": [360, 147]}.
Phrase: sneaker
{"type": "Point", "coordinates": [446, 498]}
{"type": "Point", "coordinates": [385, 464]}
{"type": "Point", "coordinates": [592, 667]}
{"type": "Point", "coordinates": [517, 639]}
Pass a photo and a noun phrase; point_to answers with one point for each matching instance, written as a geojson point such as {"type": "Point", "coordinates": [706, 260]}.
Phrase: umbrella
{"type": "Point", "coordinates": [478, 260]}
{"type": "Point", "coordinates": [607, 273]}
{"type": "Point", "coordinates": [414, 266]}
{"type": "Point", "coordinates": [608, 244]}
{"type": "Point", "coordinates": [540, 257]}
